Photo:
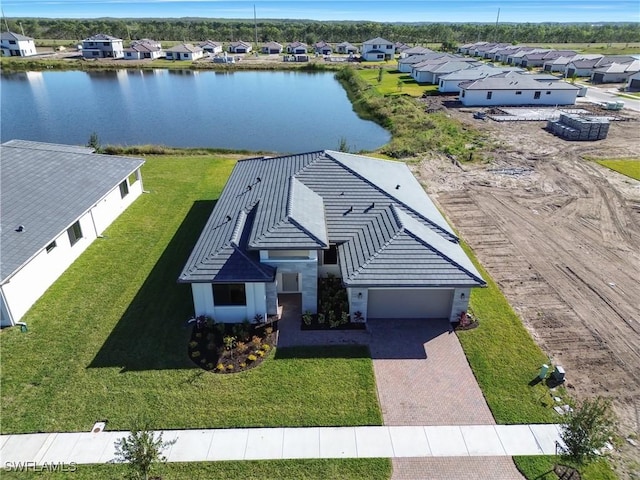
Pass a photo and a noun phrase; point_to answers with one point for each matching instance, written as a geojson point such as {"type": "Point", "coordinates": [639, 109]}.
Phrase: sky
{"type": "Point", "coordinates": [591, 11]}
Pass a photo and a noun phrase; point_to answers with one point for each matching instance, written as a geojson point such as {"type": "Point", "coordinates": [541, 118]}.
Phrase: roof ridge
{"type": "Point", "coordinates": [384, 245]}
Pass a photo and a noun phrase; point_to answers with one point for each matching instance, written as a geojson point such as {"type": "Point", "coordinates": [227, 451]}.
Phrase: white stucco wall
{"type": "Point", "coordinates": [204, 304]}
{"type": "Point", "coordinates": [28, 284]}
{"type": "Point", "coordinates": [509, 97]}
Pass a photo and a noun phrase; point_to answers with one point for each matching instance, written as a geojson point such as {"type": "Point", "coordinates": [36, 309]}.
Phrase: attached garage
{"type": "Point", "coordinates": [409, 303]}
{"type": "Point", "coordinates": [598, 78]}
{"type": "Point", "coordinates": [634, 85]}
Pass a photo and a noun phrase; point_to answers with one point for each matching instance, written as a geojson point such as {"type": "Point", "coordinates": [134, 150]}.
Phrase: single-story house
{"type": "Point", "coordinates": [283, 222]}
{"type": "Point", "coordinates": [431, 73]}
{"type": "Point", "coordinates": [56, 200]}
{"type": "Point", "coordinates": [516, 89]}
{"type": "Point", "coordinates": [540, 58]}
{"type": "Point", "coordinates": [211, 47]}
{"type": "Point", "coordinates": [377, 49]}
{"type": "Point", "coordinates": [584, 66]}
{"type": "Point", "coordinates": [102, 46]}
{"type": "Point", "coordinates": [400, 47]}
{"type": "Point", "coordinates": [297, 48]}
{"type": "Point", "coordinates": [271, 48]}
{"type": "Point", "coordinates": [615, 73]}
{"type": "Point", "coordinates": [467, 48]}
{"type": "Point", "coordinates": [633, 83]}
{"type": "Point", "coordinates": [405, 64]}
{"type": "Point", "coordinates": [501, 54]}
{"type": "Point", "coordinates": [185, 51]}
{"type": "Point", "coordinates": [322, 48]}
{"type": "Point", "coordinates": [488, 51]}
{"type": "Point", "coordinates": [143, 49]}
{"type": "Point", "coordinates": [240, 47]}
{"type": "Point", "coordinates": [16, 45]}
{"type": "Point", "coordinates": [407, 52]}
{"type": "Point", "coordinates": [450, 83]}
{"type": "Point", "coordinates": [346, 47]}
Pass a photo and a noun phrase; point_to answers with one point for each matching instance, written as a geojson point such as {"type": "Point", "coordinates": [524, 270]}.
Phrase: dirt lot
{"type": "Point", "coordinates": [561, 236]}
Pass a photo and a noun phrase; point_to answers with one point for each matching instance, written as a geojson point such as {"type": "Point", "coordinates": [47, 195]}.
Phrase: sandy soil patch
{"type": "Point", "coordinates": [561, 236]}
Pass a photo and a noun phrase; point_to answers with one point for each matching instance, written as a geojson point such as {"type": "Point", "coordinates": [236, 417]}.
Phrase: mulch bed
{"type": "Point", "coordinates": [246, 347]}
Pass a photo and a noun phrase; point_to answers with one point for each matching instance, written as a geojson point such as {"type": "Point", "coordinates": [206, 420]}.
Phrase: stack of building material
{"type": "Point", "coordinates": [572, 127]}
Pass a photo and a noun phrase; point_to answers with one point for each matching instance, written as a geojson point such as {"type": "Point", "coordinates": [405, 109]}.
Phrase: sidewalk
{"type": "Point", "coordinates": [289, 443]}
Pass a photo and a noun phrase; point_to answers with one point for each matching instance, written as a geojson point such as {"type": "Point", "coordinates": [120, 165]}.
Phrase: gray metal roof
{"type": "Point", "coordinates": [14, 36]}
{"type": "Point", "coordinates": [46, 188]}
{"type": "Point", "coordinates": [309, 200]}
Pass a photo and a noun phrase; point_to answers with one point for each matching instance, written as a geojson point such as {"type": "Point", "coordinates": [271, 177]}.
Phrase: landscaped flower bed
{"type": "Point", "coordinates": [333, 309]}
{"type": "Point", "coordinates": [230, 347]}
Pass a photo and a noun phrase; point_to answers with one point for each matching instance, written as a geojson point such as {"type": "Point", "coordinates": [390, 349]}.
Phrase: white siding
{"type": "Point", "coordinates": [509, 97]}
{"type": "Point", "coordinates": [204, 303]}
{"type": "Point", "coordinates": [27, 285]}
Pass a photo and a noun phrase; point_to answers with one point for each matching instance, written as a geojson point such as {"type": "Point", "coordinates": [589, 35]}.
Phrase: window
{"type": "Point", "coordinates": [229, 294]}
{"type": "Point", "coordinates": [12, 42]}
{"type": "Point", "coordinates": [489, 95]}
{"type": "Point", "coordinates": [51, 246]}
{"type": "Point", "coordinates": [124, 189]}
{"type": "Point", "coordinates": [133, 178]}
{"type": "Point", "coordinates": [519, 92]}
{"type": "Point", "coordinates": [330, 257]}
{"type": "Point", "coordinates": [463, 92]}
{"type": "Point", "coordinates": [536, 95]}
{"type": "Point", "coordinates": [75, 233]}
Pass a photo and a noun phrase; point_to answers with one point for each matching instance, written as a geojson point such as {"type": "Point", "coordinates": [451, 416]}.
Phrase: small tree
{"type": "Point", "coordinates": [380, 72]}
{"type": "Point", "coordinates": [141, 449]}
{"type": "Point", "coordinates": [588, 428]}
{"type": "Point", "coordinates": [343, 146]}
{"type": "Point", "coordinates": [94, 142]}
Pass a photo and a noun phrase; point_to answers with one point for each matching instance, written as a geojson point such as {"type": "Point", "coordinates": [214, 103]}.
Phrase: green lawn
{"type": "Point", "coordinates": [394, 82]}
{"type": "Point", "coordinates": [312, 469]}
{"type": "Point", "coordinates": [541, 468]}
{"type": "Point", "coordinates": [626, 166]}
{"type": "Point", "coordinates": [108, 341]}
{"type": "Point", "coordinates": [504, 359]}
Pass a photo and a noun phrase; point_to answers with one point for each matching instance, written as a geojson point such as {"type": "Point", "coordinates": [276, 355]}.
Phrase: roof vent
{"type": "Point", "coordinates": [398, 187]}
{"type": "Point", "coordinates": [20, 228]}
{"type": "Point", "coordinates": [248, 187]}
{"type": "Point", "coordinates": [258, 179]}
{"type": "Point", "coordinates": [228, 218]}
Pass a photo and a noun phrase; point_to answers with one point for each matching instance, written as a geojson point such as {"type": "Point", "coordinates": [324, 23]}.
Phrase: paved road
{"type": "Point", "coordinates": [607, 94]}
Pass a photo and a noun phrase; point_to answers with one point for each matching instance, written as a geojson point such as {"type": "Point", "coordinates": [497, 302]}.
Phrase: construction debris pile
{"type": "Point", "coordinates": [572, 127]}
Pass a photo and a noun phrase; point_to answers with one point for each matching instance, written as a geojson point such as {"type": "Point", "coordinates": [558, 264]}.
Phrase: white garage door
{"type": "Point", "coordinates": [409, 303]}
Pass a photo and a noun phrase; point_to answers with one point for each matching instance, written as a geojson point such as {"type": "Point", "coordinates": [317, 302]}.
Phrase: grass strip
{"type": "Point", "coordinates": [309, 469]}
{"type": "Point", "coordinates": [540, 467]}
{"type": "Point", "coordinates": [626, 166]}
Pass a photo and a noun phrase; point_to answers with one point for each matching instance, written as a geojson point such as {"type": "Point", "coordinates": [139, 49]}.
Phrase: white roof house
{"type": "Point", "coordinates": [185, 51]}
{"type": "Point", "coordinates": [102, 46]}
{"type": "Point", "coordinates": [56, 200]}
{"type": "Point", "coordinates": [516, 89]}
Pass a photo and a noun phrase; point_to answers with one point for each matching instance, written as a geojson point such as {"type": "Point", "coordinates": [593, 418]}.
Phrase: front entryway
{"type": "Point", "coordinates": [290, 282]}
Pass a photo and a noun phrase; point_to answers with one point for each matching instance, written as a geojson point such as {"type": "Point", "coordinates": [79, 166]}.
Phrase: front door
{"type": "Point", "coordinates": [290, 282]}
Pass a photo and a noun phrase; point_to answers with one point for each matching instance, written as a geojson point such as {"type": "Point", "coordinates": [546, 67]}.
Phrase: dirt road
{"type": "Point", "coordinates": [561, 236]}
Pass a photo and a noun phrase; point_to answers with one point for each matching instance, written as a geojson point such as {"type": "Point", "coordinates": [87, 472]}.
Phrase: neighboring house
{"type": "Point", "coordinates": [280, 223]}
{"type": "Point", "coordinates": [400, 47]}
{"type": "Point", "coordinates": [346, 48]}
{"type": "Point", "coordinates": [56, 200]}
{"type": "Point", "coordinates": [539, 59]}
{"type": "Point", "coordinates": [377, 49]}
{"type": "Point", "coordinates": [240, 47]}
{"type": "Point", "coordinates": [102, 46]}
{"type": "Point", "coordinates": [516, 89]}
{"type": "Point", "coordinates": [271, 48]}
{"type": "Point", "coordinates": [501, 54]}
{"type": "Point", "coordinates": [16, 45]}
{"type": "Point", "coordinates": [585, 66]}
{"type": "Point", "coordinates": [322, 48]}
{"type": "Point", "coordinates": [450, 83]}
{"type": "Point", "coordinates": [406, 64]}
{"type": "Point", "coordinates": [430, 73]}
{"type": "Point", "coordinates": [211, 47]}
{"type": "Point", "coordinates": [407, 52]}
{"type": "Point", "coordinates": [467, 48]}
{"type": "Point", "coordinates": [487, 51]}
{"type": "Point", "coordinates": [558, 64]}
{"type": "Point", "coordinates": [185, 51]}
{"type": "Point", "coordinates": [297, 48]}
{"type": "Point", "coordinates": [633, 83]}
{"type": "Point", "coordinates": [615, 73]}
{"type": "Point", "coordinates": [143, 49]}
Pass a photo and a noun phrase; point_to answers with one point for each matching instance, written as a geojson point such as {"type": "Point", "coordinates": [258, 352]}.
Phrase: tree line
{"type": "Point", "coordinates": [283, 31]}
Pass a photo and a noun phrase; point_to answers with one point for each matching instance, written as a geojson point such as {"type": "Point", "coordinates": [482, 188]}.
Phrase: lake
{"type": "Point", "coordinates": [273, 111]}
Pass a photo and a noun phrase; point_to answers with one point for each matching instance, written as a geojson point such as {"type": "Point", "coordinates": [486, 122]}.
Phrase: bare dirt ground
{"type": "Point", "coordinates": [561, 237]}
